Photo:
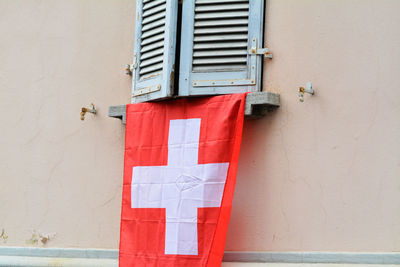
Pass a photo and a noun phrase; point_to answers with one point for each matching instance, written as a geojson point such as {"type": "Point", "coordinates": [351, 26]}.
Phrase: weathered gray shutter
{"type": "Point", "coordinates": [154, 49]}
{"type": "Point", "coordinates": [221, 46]}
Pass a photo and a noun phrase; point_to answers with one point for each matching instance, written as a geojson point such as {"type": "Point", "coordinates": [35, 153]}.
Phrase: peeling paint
{"type": "Point", "coordinates": [42, 237]}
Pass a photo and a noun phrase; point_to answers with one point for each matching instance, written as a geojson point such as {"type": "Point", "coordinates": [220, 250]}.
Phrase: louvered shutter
{"type": "Point", "coordinates": [154, 50]}
{"type": "Point", "coordinates": [217, 39]}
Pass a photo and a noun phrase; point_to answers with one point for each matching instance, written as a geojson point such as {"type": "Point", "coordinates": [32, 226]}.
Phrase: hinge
{"type": "Point", "coordinates": [134, 65]}
{"type": "Point", "coordinates": [130, 67]}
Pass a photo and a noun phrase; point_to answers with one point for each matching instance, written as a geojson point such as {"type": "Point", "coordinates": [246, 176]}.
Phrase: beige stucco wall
{"type": "Point", "coordinates": [319, 175]}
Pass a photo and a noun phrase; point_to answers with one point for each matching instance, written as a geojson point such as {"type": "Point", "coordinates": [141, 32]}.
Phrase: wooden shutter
{"type": "Point", "coordinates": [217, 39]}
{"type": "Point", "coordinates": [154, 50]}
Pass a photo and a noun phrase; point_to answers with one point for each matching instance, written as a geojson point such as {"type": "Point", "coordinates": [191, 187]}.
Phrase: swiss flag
{"type": "Point", "coordinates": [180, 169]}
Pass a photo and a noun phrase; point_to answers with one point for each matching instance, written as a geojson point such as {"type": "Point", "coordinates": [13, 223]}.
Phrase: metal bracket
{"type": "Point", "coordinates": [257, 105]}
{"type": "Point", "coordinates": [146, 90]}
{"type": "Point", "coordinates": [260, 51]}
{"type": "Point", "coordinates": [254, 50]}
{"type": "Point", "coordinates": [208, 83]}
{"type": "Point", "coordinates": [303, 90]}
{"type": "Point", "coordinates": [84, 110]}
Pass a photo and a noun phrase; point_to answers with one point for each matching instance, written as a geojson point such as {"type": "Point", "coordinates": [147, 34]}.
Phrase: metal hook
{"type": "Point", "coordinates": [90, 110]}
{"type": "Point", "coordinates": [303, 90]}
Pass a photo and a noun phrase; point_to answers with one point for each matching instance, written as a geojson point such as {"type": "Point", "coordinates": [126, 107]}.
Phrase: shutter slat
{"type": "Point", "coordinates": [225, 22]}
{"type": "Point", "coordinates": [152, 32]}
{"type": "Point", "coordinates": [198, 46]}
{"type": "Point", "coordinates": [208, 8]}
{"type": "Point", "coordinates": [154, 10]}
{"type": "Point", "coordinates": [153, 24]}
{"type": "Point", "coordinates": [153, 53]}
{"type": "Point", "coordinates": [153, 39]}
{"type": "Point", "coordinates": [217, 68]}
{"type": "Point", "coordinates": [153, 4]}
{"type": "Point", "coordinates": [222, 37]}
{"type": "Point", "coordinates": [154, 17]}
{"type": "Point", "coordinates": [221, 15]}
{"type": "Point", "coordinates": [220, 30]}
{"type": "Point", "coordinates": [150, 61]}
{"type": "Point", "coordinates": [152, 46]}
{"type": "Point", "coordinates": [222, 60]}
{"type": "Point", "coordinates": [154, 69]}
{"type": "Point", "coordinates": [201, 2]}
{"type": "Point", "coordinates": [219, 53]}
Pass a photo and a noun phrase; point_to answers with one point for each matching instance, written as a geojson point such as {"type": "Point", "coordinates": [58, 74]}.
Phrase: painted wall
{"type": "Point", "coordinates": [319, 175]}
{"type": "Point", "coordinates": [60, 174]}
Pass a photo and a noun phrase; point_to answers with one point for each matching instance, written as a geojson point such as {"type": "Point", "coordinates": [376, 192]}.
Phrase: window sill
{"type": "Point", "coordinates": [257, 105]}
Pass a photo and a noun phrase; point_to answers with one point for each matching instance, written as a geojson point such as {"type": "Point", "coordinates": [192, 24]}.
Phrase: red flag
{"type": "Point", "coordinates": [180, 170]}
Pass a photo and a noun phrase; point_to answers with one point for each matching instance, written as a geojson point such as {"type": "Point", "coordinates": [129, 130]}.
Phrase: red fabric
{"type": "Point", "coordinates": [142, 239]}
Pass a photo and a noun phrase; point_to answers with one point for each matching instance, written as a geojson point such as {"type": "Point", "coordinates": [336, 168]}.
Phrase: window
{"type": "Point", "coordinates": [218, 48]}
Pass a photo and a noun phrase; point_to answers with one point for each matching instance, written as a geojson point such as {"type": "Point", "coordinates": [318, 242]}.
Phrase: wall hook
{"type": "Point", "coordinates": [303, 90]}
{"type": "Point", "coordinates": [92, 110]}
{"type": "Point", "coordinates": [3, 236]}
{"type": "Point", "coordinates": [128, 69]}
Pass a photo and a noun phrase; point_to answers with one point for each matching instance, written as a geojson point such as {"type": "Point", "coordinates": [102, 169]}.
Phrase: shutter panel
{"type": "Point", "coordinates": [217, 36]}
{"type": "Point", "coordinates": [154, 50]}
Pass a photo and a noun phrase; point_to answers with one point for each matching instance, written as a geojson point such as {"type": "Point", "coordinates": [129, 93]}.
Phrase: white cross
{"type": "Point", "coordinates": [180, 187]}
